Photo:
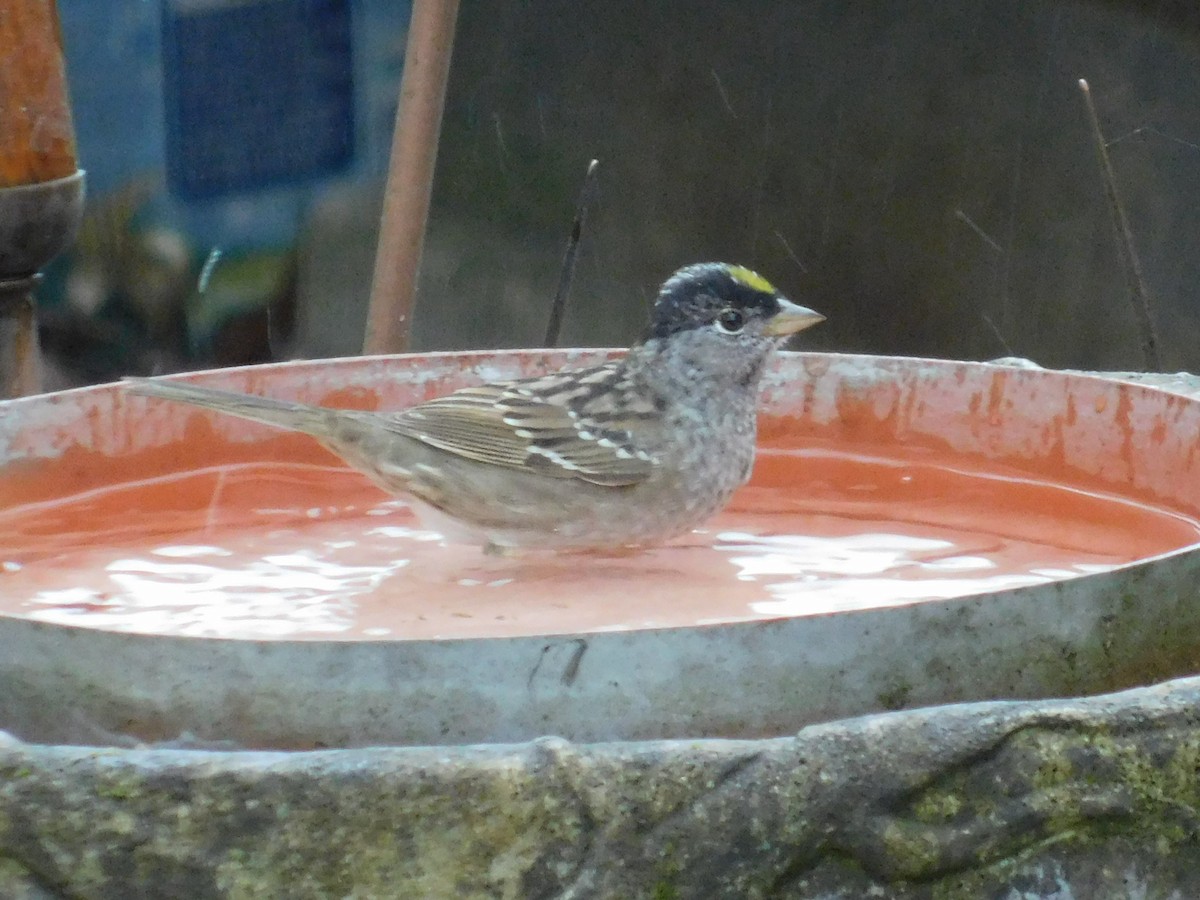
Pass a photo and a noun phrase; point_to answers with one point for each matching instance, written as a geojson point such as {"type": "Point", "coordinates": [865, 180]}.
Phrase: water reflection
{"type": "Point", "coordinates": [806, 574]}
{"type": "Point", "coordinates": [346, 563]}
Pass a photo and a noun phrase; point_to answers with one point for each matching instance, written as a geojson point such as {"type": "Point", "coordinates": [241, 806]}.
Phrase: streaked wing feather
{"type": "Point", "coordinates": [539, 424]}
{"type": "Point", "coordinates": [465, 431]}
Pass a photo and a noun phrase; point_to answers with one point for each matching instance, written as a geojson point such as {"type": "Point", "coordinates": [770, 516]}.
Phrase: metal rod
{"type": "Point", "coordinates": [1139, 296]}
{"type": "Point", "coordinates": [567, 274]}
{"type": "Point", "coordinates": [410, 175]}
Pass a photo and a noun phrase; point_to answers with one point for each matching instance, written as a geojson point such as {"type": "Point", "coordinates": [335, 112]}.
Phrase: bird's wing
{"type": "Point", "coordinates": [567, 425]}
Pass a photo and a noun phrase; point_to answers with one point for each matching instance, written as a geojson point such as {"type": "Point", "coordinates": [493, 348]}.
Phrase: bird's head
{"type": "Point", "coordinates": [724, 319]}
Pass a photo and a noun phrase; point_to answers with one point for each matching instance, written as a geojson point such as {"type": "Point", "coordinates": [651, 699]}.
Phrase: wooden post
{"type": "Point", "coordinates": [410, 175]}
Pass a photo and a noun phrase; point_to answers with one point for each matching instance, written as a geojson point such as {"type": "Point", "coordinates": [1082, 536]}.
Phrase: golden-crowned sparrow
{"type": "Point", "coordinates": [626, 453]}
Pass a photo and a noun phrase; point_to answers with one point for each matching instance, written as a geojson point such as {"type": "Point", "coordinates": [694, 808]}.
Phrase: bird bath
{"type": "Point", "coordinates": [916, 532]}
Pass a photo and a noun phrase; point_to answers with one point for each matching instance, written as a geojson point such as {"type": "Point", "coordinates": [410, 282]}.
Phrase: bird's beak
{"type": "Point", "coordinates": [790, 319]}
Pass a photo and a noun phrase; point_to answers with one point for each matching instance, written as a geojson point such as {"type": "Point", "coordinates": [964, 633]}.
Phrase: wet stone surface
{"type": "Point", "coordinates": [1096, 798]}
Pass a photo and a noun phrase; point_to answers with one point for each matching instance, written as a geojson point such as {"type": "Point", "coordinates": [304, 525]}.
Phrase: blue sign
{"type": "Point", "coordinates": [257, 93]}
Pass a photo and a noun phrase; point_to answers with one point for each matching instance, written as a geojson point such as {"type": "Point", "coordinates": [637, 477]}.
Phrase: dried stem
{"type": "Point", "coordinates": [1138, 294]}
{"type": "Point", "coordinates": [567, 274]}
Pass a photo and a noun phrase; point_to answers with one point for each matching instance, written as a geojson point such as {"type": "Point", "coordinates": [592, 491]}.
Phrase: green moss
{"type": "Point", "coordinates": [1127, 792]}
{"type": "Point", "coordinates": [348, 848]}
{"type": "Point", "coordinates": [664, 888]}
{"type": "Point", "coordinates": [896, 696]}
{"type": "Point", "coordinates": [117, 791]}
{"type": "Point", "coordinates": [937, 806]}
{"type": "Point", "coordinates": [913, 852]}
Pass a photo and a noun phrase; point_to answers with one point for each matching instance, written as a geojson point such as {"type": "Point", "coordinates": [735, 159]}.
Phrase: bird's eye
{"type": "Point", "coordinates": [731, 321]}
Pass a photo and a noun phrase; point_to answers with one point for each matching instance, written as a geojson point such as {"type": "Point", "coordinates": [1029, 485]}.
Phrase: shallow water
{"type": "Point", "coordinates": [303, 551]}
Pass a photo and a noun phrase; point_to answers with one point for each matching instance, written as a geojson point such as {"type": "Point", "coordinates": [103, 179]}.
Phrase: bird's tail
{"type": "Point", "coordinates": [313, 420]}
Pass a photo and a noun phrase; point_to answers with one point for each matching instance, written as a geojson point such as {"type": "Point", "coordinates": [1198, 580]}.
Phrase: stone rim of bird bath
{"type": "Point", "coordinates": [1095, 798]}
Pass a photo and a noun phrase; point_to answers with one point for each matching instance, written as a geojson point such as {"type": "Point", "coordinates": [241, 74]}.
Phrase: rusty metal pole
{"type": "Point", "coordinates": [41, 190]}
{"type": "Point", "coordinates": [410, 174]}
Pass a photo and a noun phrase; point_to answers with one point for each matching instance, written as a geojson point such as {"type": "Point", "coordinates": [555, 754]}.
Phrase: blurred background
{"type": "Point", "coordinates": [921, 172]}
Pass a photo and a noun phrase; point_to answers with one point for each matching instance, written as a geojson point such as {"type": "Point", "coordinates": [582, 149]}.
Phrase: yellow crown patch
{"type": "Point", "coordinates": [752, 280]}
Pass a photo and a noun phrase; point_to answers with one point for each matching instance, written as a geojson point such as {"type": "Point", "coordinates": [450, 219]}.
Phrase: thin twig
{"type": "Point", "coordinates": [565, 276]}
{"type": "Point", "coordinates": [1139, 296]}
